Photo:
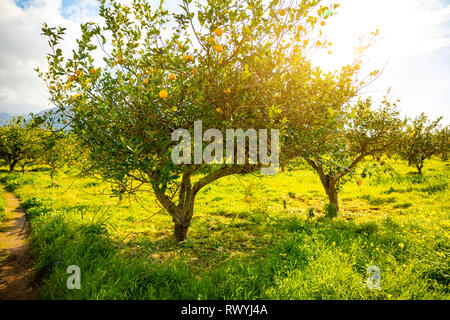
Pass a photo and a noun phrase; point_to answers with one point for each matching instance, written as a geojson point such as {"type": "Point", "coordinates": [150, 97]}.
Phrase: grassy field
{"type": "Point", "coordinates": [2, 206]}
{"type": "Point", "coordinates": [278, 246]}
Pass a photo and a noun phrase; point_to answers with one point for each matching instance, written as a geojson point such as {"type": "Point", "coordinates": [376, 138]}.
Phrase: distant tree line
{"type": "Point", "coordinates": [25, 142]}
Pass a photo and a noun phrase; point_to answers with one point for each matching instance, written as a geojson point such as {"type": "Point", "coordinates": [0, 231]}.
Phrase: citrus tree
{"type": "Point", "coordinates": [56, 149]}
{"type": "Point", "coordinates": [225, 63]}
{"type": "Point", "coordinates": [343, 135]}
{"type": "Point", "coordinates": [422, 139]}
{"type": "Point", "coordinates": [18, 143]}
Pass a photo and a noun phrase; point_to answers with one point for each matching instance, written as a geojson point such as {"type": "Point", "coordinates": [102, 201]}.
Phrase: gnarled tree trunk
{"type": "Point", "coordinates": [333, 198]}
{"type": "Point", "coordinates": [183, 211]}
{"type": "Point", "coordinates": [12, 164]}
{"type": "Point", "coordinates": [419, 168]}
{"type": "Point", "coordinates": [330, 182]}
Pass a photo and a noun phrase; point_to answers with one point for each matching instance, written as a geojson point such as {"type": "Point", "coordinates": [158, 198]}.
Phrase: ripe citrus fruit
{"type": "Point", "coordinates": [282, 12]}
{"type": "Point", "coordinates": [163, 94]}
{"type": "Point", "coordinates": [218, 48]}
{"type": "Point", "coordinates": [218, 32]}
{"type": "Point", "coordinates": [172, 77]}
{"type": "Point", "coordinates": [248, 199]}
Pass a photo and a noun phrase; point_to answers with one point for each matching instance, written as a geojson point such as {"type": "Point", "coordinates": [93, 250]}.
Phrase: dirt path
{"type": "Point", "coordinates": [15, 260]}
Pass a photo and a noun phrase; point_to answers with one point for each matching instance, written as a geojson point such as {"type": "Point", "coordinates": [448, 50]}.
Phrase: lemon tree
{"type": "Point", "coordinates": [19, 143]}
{"type": "Point", "coordinates": [422, 139]}
{"type": "Point", "coordinates": [343, 135]}
{"type": "Point", "coordinates": [227, 63]}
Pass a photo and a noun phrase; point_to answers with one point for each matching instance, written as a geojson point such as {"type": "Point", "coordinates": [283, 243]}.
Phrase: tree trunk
{"type": "Point", "coordinates": [12, 165]}
{"type": "Point", "coordinates": [182, 218]}
{"type": "Point", "coordinates": [333, 198]}
{"type": "Point", "coordinates": [183, 211]}
{"type": "Point", "coordinates": [419, 168]}
{"type": "Point", "coordinates": [180, 230]}
{"type": "Point", "coordinates": [329, 184]}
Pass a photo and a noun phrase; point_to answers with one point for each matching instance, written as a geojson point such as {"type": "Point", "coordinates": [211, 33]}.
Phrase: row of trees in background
{"type": "Point", "coordinates": [24, 142]}
{"type": "Point", "coordinates": [422, 139]}
{"type": "Point", "coordinates": [334, 159]}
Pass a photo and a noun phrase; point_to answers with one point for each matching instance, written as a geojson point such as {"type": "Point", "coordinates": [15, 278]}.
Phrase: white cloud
{"type": "Point", "coordinates": [23, 49]}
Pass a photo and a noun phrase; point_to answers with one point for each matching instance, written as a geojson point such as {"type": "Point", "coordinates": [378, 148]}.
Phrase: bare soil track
{"type": "Point", "coordinates": [16, 264]}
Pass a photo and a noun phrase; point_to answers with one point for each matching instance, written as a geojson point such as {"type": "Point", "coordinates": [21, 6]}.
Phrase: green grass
{"type": "Point", "coordinates": [279, 246]}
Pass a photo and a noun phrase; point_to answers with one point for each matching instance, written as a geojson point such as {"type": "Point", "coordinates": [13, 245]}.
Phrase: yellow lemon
{"type": "Point", "coordinates": [218, 48]}
{"type": "Point", "coordinates": [218, 32]}
{"type": "Point", "coordinates": [163, 94]}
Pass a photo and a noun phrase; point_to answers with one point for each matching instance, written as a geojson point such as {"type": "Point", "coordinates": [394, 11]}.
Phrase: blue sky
{"type": "Point", "coordinates": [415, 44]}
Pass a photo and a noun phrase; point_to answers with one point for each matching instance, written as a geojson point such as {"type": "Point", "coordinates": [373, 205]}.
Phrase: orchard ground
{"type": "Point", "coordinates": [252, 237]}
